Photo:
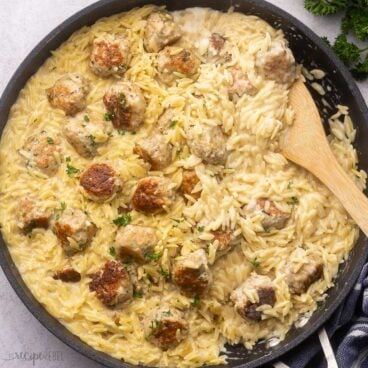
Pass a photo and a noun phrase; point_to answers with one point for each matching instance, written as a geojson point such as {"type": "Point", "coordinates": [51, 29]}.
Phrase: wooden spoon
{"type": "Point", "coordinates": [306, 145]}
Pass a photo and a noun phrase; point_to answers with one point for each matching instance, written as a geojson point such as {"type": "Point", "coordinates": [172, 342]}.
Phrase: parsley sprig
{"type": "Point", "coordinates": [355, 21]}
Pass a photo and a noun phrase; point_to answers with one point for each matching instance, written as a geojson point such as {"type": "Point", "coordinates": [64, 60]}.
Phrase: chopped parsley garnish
{"type": "Point", "coordinates": [68, 159]}
{"type": "Point", "coordinates": [112, 251]}
{"type": "Point", "coordinates": [60, 209]}
{"type": "Point", "coordinates": [167, 313]}
{"type": "Point", "coordinates": [255, 263]}
{"type": "Point", "coordinates": [165, 273]}
{"type": "Point", "coordinates": [196, 301]}
{"type": "Point", "coordinates": [108, 116]}
{"type": "Point", "coordinates": [154, 327]}
{"type": "Point", "coordinates": [137, 294]}
{"type": "Point", "coordinates": [121, 132]}
{"type": "Point", "coordinates": [92, 140]}
{"type": "Point", "coordinates": [71, 170]}
{"type": "Point", "coordinates": [200, 228]}
{"type": "Point", "coordinates": [178, 221]}
{"type": "Point", "coordinates": [86, 118]}
{"type": "Point", "coordinates": [173, 123]}
{"type": "Point", "coordinates": [290, 184]}
{"type": "Point", "coordinates": [153, 256]}
{"type": "Point", "coordinates": [50, 140]}
{"type": "Point", "coordinates": [110, 134]}
{"type": "Point", "coordinates": [123, 220]}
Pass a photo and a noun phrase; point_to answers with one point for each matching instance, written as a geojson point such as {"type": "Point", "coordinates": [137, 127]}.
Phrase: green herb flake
{"type": "Point", "coordinates": [123, 220]}
{"type": "Point", "coordinates": [294, 200]}
{"type": "Point", "coordinates": [196, 301]}
{"type": "Point", "coordinates": [86, 118]}
{"type": "Point", "coordinates": [68, 159]}
{"type": "Point", "coordinates": [137, 294]}
{"type": "Point", "coordinates": [255, 263]}
{"type": "Point", "coordinates": [112, 252]}
{"type": "Point", "coordinates": [290, 184]}
{"type": "Point", "coordinates": [153, 256]}
{"type": "Point", "coordinates": [108, 116]}
{"type": "Point", "coordinates": [71, 170]}
{"type": "Point", "coordinates": [92, 140]}
{"type": "Point", "coordinates": [122, 98]}
{"type": "Point", "coordinates": [200, 228]}
{"type": "Point", "coordinates": [50, 140]}
{"type": "Point", "coordinates": [165, 273]}
{"type": "Point", "coordinates": [167, 313]}
{"type": "Point", "coordinates": [173, 123]}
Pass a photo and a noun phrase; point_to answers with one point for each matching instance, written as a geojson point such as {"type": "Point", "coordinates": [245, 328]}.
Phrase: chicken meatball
{"type": "Point", "coordinates": [160, 31]}
{"type": "Point", "coordinates": [75, 230]}
{"type": "Point", "coordinates": [100, 182]}
{"type": "Point", "coordinates": [208, 143]}
{"type": "Point", "coordinates": [217, 50]}
{"type": "Point", "coordinates": [135, 242]}
{"type": "Point", "coordinates": [43, 153]}
{"type": "Point", "coordinates": [165, 327]}
{"type": "Point", "coordinates": [308, 274]}
{"type": "Point", "coordinates": [126, 105]}
{"type": "Point", "coordinates": [31, 215]}
{"type": "Point", "coordinates": [69, 93]}
{"type": "Point", "coordinates": [153, 194]}
{"type": "Point", "coordinates": [173, 63]}
{"type": "Point", "coordinates": [192, 274]}
{"type": "Point", "coordinates": [277, 63]}
{"type": "Point", "coordinates": [189, 182]}
{"type": "Point", "coordinates": [225, 240]}
{"type": "Point", "coordinates": [240, 85]}
{"type": "Point", "coordinates": [155, 150]}
{"type": "Point", "coordinates": [110, 55]}
{"type": "Point", "coordinates": [260, 285]}
{"type": "Point", "coordinates": [67, 274]}
{"type": "Point", "coordinates": [86, 135]}
{"type": "Point", "coordinates": [273, 217]}
{"type": "Point", "coordinates": [112, 285]}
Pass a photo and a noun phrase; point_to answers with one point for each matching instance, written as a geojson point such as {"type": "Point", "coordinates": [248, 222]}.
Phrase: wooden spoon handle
{"type": "Point", "coordinates": [335, 178]}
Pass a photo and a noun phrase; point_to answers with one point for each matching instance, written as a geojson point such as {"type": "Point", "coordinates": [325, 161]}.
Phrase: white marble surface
{"type": "Point", "coordinates": [23, 23]}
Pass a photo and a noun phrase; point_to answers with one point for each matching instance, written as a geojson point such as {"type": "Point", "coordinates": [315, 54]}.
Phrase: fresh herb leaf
{"type": "Point", "coordinates": [112, 251]}
{"type": "Point", "coordinates": [325, 7]}
{"type": "Point", "coordinates": [360, 71]}
{"type": "Point", "coordinates": [67, 159]}
{"type": "Point", "coordinates": [356, 19]}
{"type": "Point", "coordinates": [165, 273]}
{"type": "Point", "coordinates": [122, 98]}
{"type": "Point", "coordinates": [294, 200]}
{"type": "Point", "coordinates": [200, 228]}
{"type": "Point", "coordinates": [50, 140]}
{"type": "Point", "coordinates": [196, 301]}
{"type": "Point", "coordinates": [324, 38]}
{"type": "Point", "coordinates": [348, 52]}
{"type": "Point", "coordinates": [86, 118]}
{"type": "Point", "coordinates": [178, 221]}
{"type": "Point", "coordinates": [290, 184]}
{"type": "Point", "coordinates": [123, 220]}
{"type": "Point", "coordinates": [71, 170]}
{"type": "Point", "coordinates": [153, 256]}
{"type": "Point", "coordinates": [167, 313]}
{"type": "Point", "coordinates": [255, 263]}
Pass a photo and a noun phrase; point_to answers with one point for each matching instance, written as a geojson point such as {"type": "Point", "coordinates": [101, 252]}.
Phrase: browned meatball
{"type": "Point", "coordinates": [240, 84]}
{"type": "Point", "coordinates": [112, 285]}
{"type": "Point", "coordinates": [277, 63]}
{"type": "Point", "coordinates": [208, 143]}
{"type": "Point", "coordinates": [43, 153]}
{"type": "Point", "coordinates": [86, 134]}
{"type": "Point", "coordinates": [189, 182]}
{"type": "Point", "coordinates": [308, 274]}
{"type": "Point", "coordinates": [165, 327]}
{"type": "Point", "coordinates": [273, 217]}
{"type": "Point", "coordinates": [265, 290]}
{"type": "Point", "coordinates": [100, 182]}
{"type": "Point", "coordinates": [31, 215]}
{"type": "Point", "coordinates": [217, 52]}
{"type": "Point", "coordinates": [160, 31]}
{"type": "Point", "coordinates": [126, 105]}
{"type": "Point", "coordinates": [153, 194]}
{"type": "Point", "coordinates": [135, 242]}
{"type": "Point", "coordinates": [155, 150]}
{"type": "Point", "coordinates": [192, 274]}
{"type": "Point", "coordinates": [69, 93]}
{"type": "Point", "coordinates": [110, 55]}
{"type": "Point", "coordinates": [75, 230]}
{"type": "Point", "coordinates": [172, 60]}
{"type": "Point", "coordinates": [67, 274]}
{"type": "Point", "coordinates": [226, 241]}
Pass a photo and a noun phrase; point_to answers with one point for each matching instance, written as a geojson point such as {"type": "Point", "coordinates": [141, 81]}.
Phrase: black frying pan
{"type": "Point", "coordinates": [308, 49]}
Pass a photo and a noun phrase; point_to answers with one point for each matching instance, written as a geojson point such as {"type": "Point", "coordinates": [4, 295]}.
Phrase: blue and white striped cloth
{"type": "Point", "coordinates": [343, 342]}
